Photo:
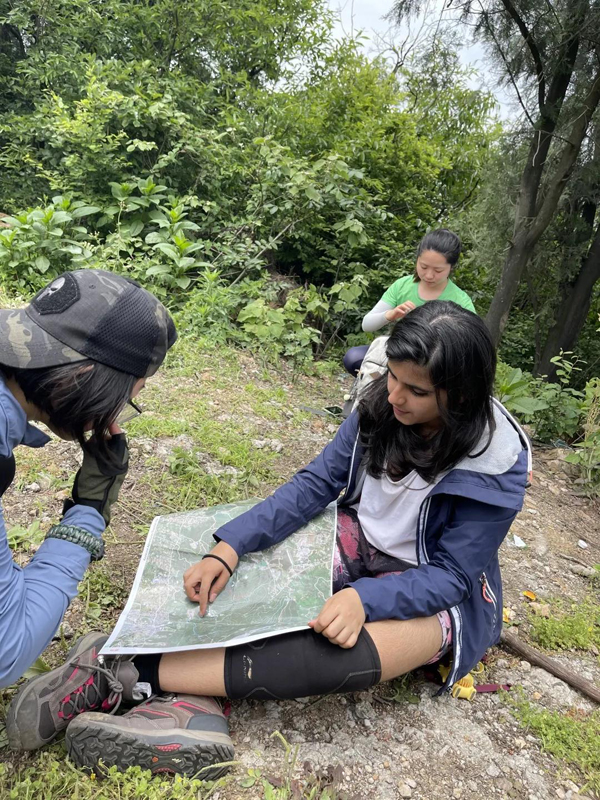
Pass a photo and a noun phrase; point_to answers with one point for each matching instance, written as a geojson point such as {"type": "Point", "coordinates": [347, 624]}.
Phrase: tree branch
{"type": "Point", "coordinates": [533, 49]}
{"type": "Point", "coordinates": [567, 160]}
{"type": "Point", "coordinates": [512, 78]}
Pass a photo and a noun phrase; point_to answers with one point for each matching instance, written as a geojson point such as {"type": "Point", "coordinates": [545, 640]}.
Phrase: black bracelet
{"type": "Point", "coordinates": [225, 564]}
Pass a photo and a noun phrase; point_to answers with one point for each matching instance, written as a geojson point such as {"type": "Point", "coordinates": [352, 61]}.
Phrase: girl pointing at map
{"type": "Point", "coordinates": [430, 472]}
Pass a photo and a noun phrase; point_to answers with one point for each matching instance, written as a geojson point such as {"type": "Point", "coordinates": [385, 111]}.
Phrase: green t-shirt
{"type": "Point", "coordinates": [407, 289]}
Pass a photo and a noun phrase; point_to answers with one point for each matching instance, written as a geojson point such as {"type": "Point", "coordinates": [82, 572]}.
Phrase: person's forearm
{"type": "Point", "coordinates": [34, 599]}
{"type": "Point", "coordinates": [376, 318]}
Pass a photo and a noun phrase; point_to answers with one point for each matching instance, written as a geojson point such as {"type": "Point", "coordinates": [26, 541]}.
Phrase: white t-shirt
{"type": "Point", "coordinates": [388, 512]}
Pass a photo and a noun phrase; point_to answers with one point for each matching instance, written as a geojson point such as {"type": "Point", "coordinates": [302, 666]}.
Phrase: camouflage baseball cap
{"type": "Point", "coordinates": [88, 313]}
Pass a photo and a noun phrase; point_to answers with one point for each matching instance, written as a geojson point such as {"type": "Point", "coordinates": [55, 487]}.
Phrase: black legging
{"type": "Point", "coordinates": [297, 664]}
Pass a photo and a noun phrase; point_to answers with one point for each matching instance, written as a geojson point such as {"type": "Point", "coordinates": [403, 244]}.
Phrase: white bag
{"type": "Point", "coordinates": [374, 364]}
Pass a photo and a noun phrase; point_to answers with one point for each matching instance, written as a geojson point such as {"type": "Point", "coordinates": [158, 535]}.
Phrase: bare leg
{"type": "Point", "coordinates": [402, 645]}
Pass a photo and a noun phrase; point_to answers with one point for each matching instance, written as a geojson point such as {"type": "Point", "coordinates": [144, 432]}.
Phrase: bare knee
{"type": "Point", "coordinates": [404, 645]}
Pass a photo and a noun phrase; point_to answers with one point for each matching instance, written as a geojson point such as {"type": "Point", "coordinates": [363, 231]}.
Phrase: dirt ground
{"type": "Point", "coordinates": [426, 749]}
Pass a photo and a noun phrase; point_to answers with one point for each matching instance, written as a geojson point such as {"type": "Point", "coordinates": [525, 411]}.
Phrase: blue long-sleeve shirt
{"type": "Point", "coordinates": [33, 599]}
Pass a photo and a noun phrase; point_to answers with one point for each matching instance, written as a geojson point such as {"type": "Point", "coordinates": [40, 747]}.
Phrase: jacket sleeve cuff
{"type": "Point", "coordinates": [85, 517]}
{"type": "Point", "coordinates": [223, 535]}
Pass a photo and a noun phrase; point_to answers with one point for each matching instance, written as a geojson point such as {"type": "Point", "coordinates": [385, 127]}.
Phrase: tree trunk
{"type": "Point", "coordinates": [573, 310]}
{"type": "Point", "coordinates": [512, 270]}
{"type": "Point", "coordinates": [530, 225]}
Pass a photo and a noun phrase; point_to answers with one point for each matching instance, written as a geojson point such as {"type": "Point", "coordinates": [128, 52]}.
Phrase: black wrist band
{"type": "Point", "coordinates": [225, 564]}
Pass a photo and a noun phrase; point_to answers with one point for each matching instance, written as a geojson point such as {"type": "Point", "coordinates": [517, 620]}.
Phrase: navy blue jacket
{"type": "Point", "coordinates": [462, 523]}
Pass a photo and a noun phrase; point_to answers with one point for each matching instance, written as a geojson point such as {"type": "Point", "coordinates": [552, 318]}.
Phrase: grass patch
{"type": "Point", "coordinates": [269, 403]}
{"type": "Point", "coordinates": [51, 776]}
{"type": "Point", "coordinates": [99, 592]}
{"type": "Point", "coordinates": [574, 738]}
{"type": "Point", "coordinates": [312, 785]}
{"type": "Point", "coordinates": [572, 627]}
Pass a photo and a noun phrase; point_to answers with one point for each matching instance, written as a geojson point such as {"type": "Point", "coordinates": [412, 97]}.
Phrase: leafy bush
{"type": "Point", "coordinates": [587, 453]}
{"type": "Point", "coordinates": [555, 410]}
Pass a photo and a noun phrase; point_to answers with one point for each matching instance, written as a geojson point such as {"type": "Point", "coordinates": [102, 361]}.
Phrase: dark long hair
{"type": "Point", "coordinates": [444, 242]}
{"type": "Point", "coordinates": [455, 347]}
{"type": "Point", "coordinates": [75, 395]}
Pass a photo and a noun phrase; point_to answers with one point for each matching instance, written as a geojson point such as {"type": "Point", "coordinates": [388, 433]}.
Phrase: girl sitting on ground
{"type": "Point", "coordinates": [431, 471]}
{"type": "Point", "coordinates": [437, 256]}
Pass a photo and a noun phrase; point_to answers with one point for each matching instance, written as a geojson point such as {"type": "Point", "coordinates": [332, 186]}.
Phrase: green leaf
{"type": "Point", "coordinates": [527, 405]}
{"type": "Point", "coordinates": [168, 249]}
{"type": "Point", "coordinates": [42, 264]}
{"type": "Point", "coordinates": [158, 269]}
{"type": "Point", "coordinates": [38, 667]}
{"type": "Point", "coordinates": [84, 211]}
{"type": "Point", "coordinates": [154, 238]}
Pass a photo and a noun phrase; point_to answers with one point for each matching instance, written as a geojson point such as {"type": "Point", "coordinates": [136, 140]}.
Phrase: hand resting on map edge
{"type": "Point", "coordinates": [341, 618]}
{"type": "Point", "coordinates": [204, 581]}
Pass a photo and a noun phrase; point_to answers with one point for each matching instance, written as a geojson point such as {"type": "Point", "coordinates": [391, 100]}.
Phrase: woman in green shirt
{"type": "Point", "coordinates": [437, 255]}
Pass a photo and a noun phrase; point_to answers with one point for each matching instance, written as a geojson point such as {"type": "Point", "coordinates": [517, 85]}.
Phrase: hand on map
{"type": "Point", "coordinates": [341, 618]}
{"type": "Point", "coordinates": [204, 581]}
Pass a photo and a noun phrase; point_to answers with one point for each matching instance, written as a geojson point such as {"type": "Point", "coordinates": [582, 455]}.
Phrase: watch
{"type": "Point", "coordinates": [70, 533]}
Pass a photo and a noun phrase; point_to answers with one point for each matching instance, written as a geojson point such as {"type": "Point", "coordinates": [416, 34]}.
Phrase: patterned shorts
{"type": "Point", "coordinates": [356, 558]}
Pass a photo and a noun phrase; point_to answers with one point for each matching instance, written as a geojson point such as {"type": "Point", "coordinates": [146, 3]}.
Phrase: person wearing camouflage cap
{"type": "Point", "coordinates": [74, 359]}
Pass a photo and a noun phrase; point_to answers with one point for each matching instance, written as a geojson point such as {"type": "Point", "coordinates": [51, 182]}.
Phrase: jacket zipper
{"type": "Point", "coordinates": [487, 590]}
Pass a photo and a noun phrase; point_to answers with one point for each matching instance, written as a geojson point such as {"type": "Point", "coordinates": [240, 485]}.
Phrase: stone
{"type": "Point", "coordinates": [493, 771]}
{"type": "Point", "coordinates": [404, 790]}
{"type": "Point", "coordinates": [525, 665]}
{"type": "Point", "coordinates": [583, 545]}
{"type": "Point", "coordinates": [504, 785]}
{"type": "Point", "coordinates": [411, 783]}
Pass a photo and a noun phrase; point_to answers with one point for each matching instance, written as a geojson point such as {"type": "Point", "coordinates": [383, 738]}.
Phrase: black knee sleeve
{"type": "Point", "coordinates": [300, 664]}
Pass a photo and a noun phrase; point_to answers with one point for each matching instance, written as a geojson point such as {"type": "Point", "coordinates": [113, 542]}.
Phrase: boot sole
{"type": "Point", "coordinates": [24, 737]}
{"type": "Point", "coordinates": [90, 741]}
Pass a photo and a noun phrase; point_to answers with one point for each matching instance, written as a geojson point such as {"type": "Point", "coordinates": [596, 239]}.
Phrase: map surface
{"type": "Point", "coordinates": [274, 591]}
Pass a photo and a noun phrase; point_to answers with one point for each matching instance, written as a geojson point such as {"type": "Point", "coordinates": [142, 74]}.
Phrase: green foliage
{"type": "Point", "coordinates": [51, 777]}
{"type": "Point", "coordinates": [25, 538]}
{"type": "Point", "coordinates": [574, 627]}
{"type": "Point", "coordinates": [587, 453]}
{"type": "Point", "coordinates": [572, 737]}
{"type": "Point", "coordinates": [404, 689]}
{"type": "Point", "coordinates": [100, 593]}
{"type": "Point", "coordinates": [555, 410]}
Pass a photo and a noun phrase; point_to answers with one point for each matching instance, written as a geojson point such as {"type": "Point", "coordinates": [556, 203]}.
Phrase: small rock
{"type": "Point", "coordinates": [560, 794]}
{"type": "Point", "coordinates": [504, 785]}
{"type": "Point", "coordinates": [411, 783]}
{"type": "Point", "coordinates": [540, 610]}
{"type": "Point", "coordinates": [582, 544]}
{"type": "Point", "coordinates": [404, 790]}
{"type": "Point", "coordinates": [525, 665]}
{"type": "Point", "coordinates": [493, 771]}
{"type": "Point", "coordinates": [585, 572]}
{"type": "Point", "coordinates": [536, 696]}
{"type": "Point", "coordinates": [35, 487]}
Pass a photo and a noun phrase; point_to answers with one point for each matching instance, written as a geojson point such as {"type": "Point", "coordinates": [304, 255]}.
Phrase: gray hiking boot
{"type": "Point", "coordinates": [44, 706]}
{"type": "Point", "coordinates": [182, 733]}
